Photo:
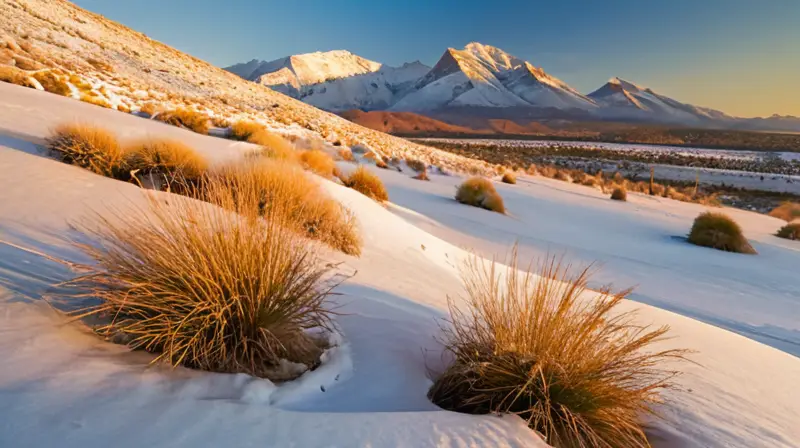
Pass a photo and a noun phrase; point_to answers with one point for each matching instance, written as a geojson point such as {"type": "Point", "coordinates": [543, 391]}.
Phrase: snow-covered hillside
{"type": "Point", "coordinates": [61, 386]}
{"type": "Point", "coordinates": [130, 71]}
{"type": "Point", "coordinates": [334, 80]}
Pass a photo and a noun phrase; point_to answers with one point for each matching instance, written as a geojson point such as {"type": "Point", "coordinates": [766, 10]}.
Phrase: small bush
{"type": "Point", "coordinates": [416, 165]}
{"type": "Point", "coordinates": [366, 183]}
{"type": "Point", "coordinates": [479, 192]}
{"type": "Point", "coordinates": [790, 231]}
{"type": "Point", "coordinates": [381, 164]}
{"type": "Point", "coordinates": [89, 147]}
{"type": "Point", "coordinates": [578, 371]}
{"type": "Point", "coordinates": [284, 190]}
{"type": "Point", "coordinates": [16, 76]}
{"type": "Point", "coordinates": [318, 162]}
{"type": "Point", "coordinates": [619, 194]}
{"type": "Point", "coordinates": [788, 211]}
{"type": "Point", "coordinates": [719, 231]}
{"type": "Point", "coordinates": [548, 171]}
{"type": "Point", "coordinates": [346, 155]}
{"type": "Point", "coordinates": [185, 118]}
{"type": "Point", "coordinates": [52, 83]}
{"type": "Point", "coordinates": [274, 146]}
{"type": "Point", "coordinates": [148, 108]}
{"type": "Point", "coordinates": [243, 130]}
{"type": "Point", "coordinates": [206, 290]}
{"type": "Point", "coordinates": [168, 160]}
{"type": "Point", "coordinates": [562, 175]}
{"type": "Point", "coordinates": [509, 178]}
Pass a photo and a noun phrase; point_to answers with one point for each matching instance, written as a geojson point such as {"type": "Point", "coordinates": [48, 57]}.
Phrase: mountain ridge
{"type": "Point", "coordinates": [481, 77]}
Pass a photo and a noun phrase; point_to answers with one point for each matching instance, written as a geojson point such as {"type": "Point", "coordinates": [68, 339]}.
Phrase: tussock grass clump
{"type": "Point", "coordinates": [206, 289]}
{"type": "Point", "coordinates": [562, 176]}
{"type": "Point", "coordinates": [619, 194]}
{"type": "Point", "coordinates": [787, 211]}
{"type": "Point", "coordinates": [185, 118]}
{"type": "Point", "coordinates": [274, 146]}
{"type": "Point", "coordinates": [790, 231]}
{"type": "Point", "coordinates": [366, 183]}
{"type": "Point", "coordinates": [89, 147]}
{"type": "Point", "coordinates": [170, 161]}
{"type": "Point", "coordinates": [52, 83]}
{"type": "Point", "coordinates": [416, 165]}
{"type": "Point", "coordinates": [479, 192]}
{"type": "Point", "coordinates": [346, 155]}
{"type": "Point", "coordinates": [318, 162]}
{"type": "Point", "coordinates": [243, 130]}
{"type": "Point", "coordinates": [509, 178]}
{"type": "Point", "coordinates": [719, 231]}
{"type": "Point", "coordinates": [97, 101]}
{"type": "Point", "coordinates": [284, 189]}
{"type": "Point", "coordinates": [16, 76]}
{"type": "Point", "coordinates": [579, 372]}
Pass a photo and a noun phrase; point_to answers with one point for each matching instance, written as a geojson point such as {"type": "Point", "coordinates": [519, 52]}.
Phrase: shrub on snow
{"type": "Point", "coordinates": [578, 371]}
{"type": "Point", "coordinates": [719, 231]}
{"type": "Point", "coordinates": [479, 192]}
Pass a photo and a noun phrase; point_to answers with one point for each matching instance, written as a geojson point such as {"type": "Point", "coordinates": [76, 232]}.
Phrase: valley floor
{"type": "Point", "coordinates": [60, 386]}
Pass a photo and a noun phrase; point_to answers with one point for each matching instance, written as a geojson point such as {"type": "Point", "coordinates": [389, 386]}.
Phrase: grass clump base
{"type": "Point", "coordinates": [619, 194]}
{"type": "Point", "coordinates": [243, 130]}
{"type": "Point", "coordinates": [790, 231]}
{"type": "Point", "coordinates": [576, 370]}
{"type": "Point", "coordinates": [89, 147]}
{"type": "Point", "coordinates": [480, 192]}
{"type": "Point", "coordinates": [509, 178]}
{"type": "Point", "coordinates": [208, 289]}
{"type": "Point", "coordinates": [366, 183]}
{"type": "Point", "coordinates": [719, 231]}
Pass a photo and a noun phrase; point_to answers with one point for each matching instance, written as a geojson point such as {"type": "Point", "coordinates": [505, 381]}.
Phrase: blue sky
{"type": "Point", "coordinates": [740, 56]}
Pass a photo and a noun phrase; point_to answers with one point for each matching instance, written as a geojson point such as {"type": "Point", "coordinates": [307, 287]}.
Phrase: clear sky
{"type": "Point", "coordinates": [739, 56]}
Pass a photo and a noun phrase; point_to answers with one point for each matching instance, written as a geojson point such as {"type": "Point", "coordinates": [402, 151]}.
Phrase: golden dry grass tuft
{"type": "Point", "coordinates": [480, 192]}
{"type": "Point", "coordinates": [94, 100]}
{"type": "Point", "coordinates": [318, 162]}
{"type": "Point", "coordinates": [89, 147]}
{"type": "Point", "coordinates": [16, 76]}
{"type": "Point", "coordinates": [366, 183]}
{"type": "Point", "coordinates": [619, 194]}
{"type": "Point", "coordinates": [185, 118]}
{"type": "Point", "coordinates": [274, 146]}
{"type": "Point", "coordinates": [509, 178]}
{"type": "Point", "coordinates": [204, 288]}
{"type": "Point", "coordinates": [52, 83]}
{"type": "Point", "coordinates": [790, 231]}
{"type": "Point", "coordinates": [347, 155]}
{"type": "Point", "coordinates": [577, 370]}
{"type": "Point", "coordinates": [170, 161]}
{"type": "Point", "coordinates": [242, 130]}
{"type": "Point", "coordinates": [787, 211]}
{"type": "Point", "coordinates": [719, 231]}
{"type": "Point", "coordinates": [416, 165]}
{"type": "Point", "coordinates": [284, 189]}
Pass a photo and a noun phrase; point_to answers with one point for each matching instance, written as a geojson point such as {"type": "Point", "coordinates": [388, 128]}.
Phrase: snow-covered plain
{"type": "Point", "coordinates": [60, 386]}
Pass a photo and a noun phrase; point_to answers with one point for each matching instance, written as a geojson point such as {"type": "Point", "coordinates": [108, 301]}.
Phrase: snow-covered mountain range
{"type": "Point", "coordinates": [334, 80]}
{"type": "Point", "coordinates": [477, 78]}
